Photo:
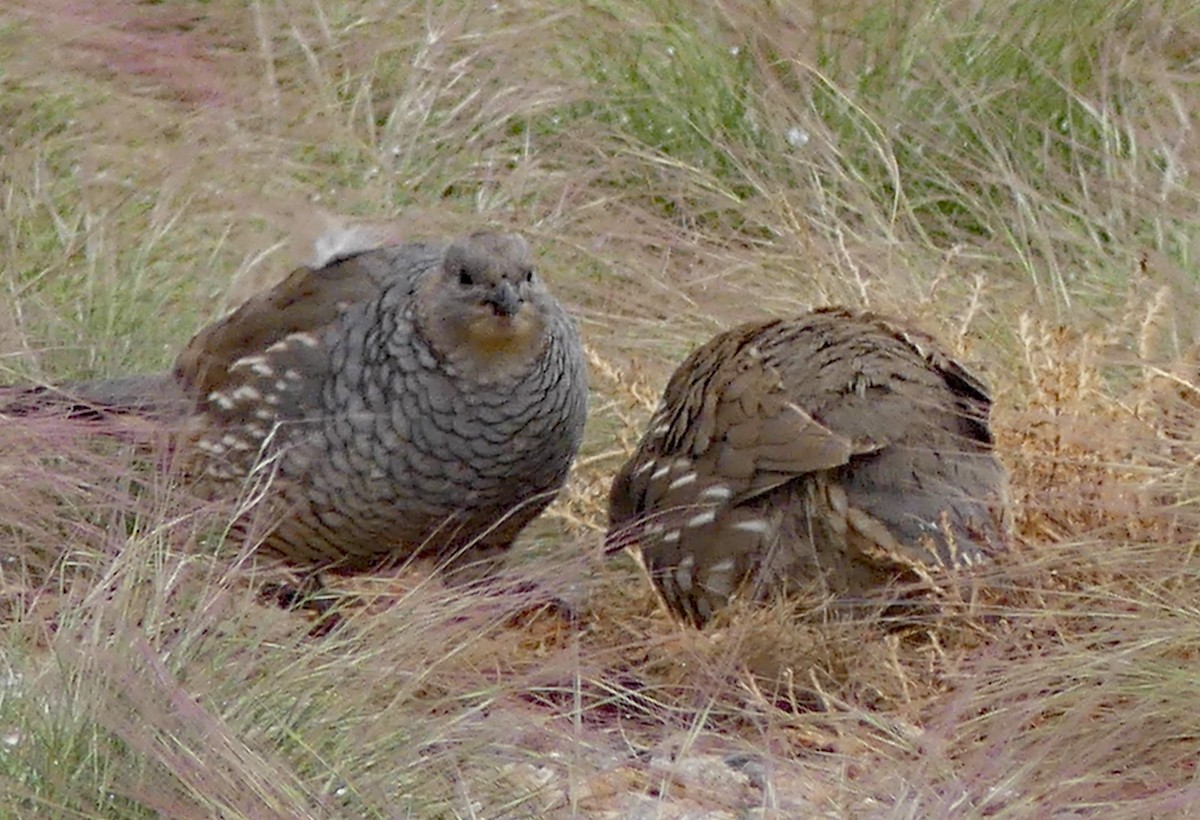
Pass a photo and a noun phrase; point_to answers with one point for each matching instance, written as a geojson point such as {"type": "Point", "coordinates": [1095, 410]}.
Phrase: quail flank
{"type": "Point", "coordinates": [414, 398]}
{"type": "Point", "coordinates": [836, 450]}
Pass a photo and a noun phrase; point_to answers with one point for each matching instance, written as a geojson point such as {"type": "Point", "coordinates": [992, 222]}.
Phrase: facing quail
{"type": "Point", "coordinates": [837, 450]}
{"type": "Point", "coordinates": [415, 398]}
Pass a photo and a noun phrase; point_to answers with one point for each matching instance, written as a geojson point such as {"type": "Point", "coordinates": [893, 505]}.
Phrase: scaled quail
{"type": "Point", "coordinates": [416, 398]}
{"type": "Point", "coordinates": [835, 450]}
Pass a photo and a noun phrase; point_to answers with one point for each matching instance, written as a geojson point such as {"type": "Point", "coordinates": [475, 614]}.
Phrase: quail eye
{"type": "Point", "coordinates": [465, 278]}
{"type": "Point", "coordinates": [529, 274]}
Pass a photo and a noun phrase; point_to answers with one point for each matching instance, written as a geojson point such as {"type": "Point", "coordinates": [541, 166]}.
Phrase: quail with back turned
{"type": "Point", "coordinates": [836, 450]}
{"type": "Point", "coordinates": [420, 398]}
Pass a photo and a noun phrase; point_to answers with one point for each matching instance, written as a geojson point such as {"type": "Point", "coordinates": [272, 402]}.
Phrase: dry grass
{"type": "Point", "coordinates": [1018, 179]}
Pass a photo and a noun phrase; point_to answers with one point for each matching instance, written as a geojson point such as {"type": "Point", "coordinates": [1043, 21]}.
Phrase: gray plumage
{"type": "Point", "coordinates": [414, 398]}
{"type": "Point", "coordinates": [836, 449]}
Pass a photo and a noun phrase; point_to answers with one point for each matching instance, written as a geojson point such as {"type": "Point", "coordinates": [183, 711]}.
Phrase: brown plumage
{"type": "Point", "coordinates": [836, 449]}
{"type": "Point", "coordinates": [411, 398]}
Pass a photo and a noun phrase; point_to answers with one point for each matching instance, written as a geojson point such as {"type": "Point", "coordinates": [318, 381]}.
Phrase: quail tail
{"type": "Point", "coordinates": [155, 395]}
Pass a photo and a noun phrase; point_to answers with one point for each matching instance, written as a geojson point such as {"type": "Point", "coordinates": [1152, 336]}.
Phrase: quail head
{"type": "Point", "coordinates": [420, 398]}
{"type": "Point", "coordinates": [835, 451]}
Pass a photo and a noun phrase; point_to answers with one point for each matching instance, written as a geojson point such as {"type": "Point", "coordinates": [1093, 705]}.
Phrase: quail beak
{"type": "Point", "coordinates": [504, 300]}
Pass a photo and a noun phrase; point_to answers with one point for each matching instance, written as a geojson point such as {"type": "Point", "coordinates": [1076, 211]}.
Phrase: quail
{"type": "Point", "coordinates": [837, 449]}
{"type": "Point", "coordinates": [419, 398]}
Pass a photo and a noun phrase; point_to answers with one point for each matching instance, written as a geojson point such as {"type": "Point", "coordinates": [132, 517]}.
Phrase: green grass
{"type": "Point", "coordinates": [1017, 178]}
